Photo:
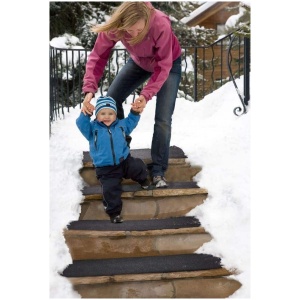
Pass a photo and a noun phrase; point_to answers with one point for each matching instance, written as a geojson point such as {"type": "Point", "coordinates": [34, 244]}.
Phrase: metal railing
{"type": "Point", "coordinates": [204, 69]}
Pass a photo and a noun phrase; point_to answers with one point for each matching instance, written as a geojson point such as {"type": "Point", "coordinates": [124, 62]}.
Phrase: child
{"type": "Point", "coordinates": [110, 152]}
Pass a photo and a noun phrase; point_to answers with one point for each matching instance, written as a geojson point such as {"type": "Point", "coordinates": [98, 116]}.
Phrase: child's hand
{"type": "Point", "coordinates": [139, 104]}
{"type": "Point", "coordinates": [138, 110]}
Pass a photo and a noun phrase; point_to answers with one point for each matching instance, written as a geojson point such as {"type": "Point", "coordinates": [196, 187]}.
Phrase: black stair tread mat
{"type": "Point", "coordinates": [142, 265]}
{"type": "Point", "coordinates": [174, 152]}
{"type": "Point", "coordinates": [135, 225]}
{"type": "Point", "coordinates": [97, 189]}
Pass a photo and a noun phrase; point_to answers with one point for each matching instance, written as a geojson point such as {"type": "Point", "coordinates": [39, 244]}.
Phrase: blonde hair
{"type": "Point", "coordinates": [125, 16]}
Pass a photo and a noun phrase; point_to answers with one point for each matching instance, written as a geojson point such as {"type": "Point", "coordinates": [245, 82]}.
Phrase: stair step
{"type": "Point", "coordinates": [174, 201]}
{"type": "Point", "coordinates": [135, 190]}
{"type": "Point", "coordinates": [137, 225]}
{"type": "Point", "coordinates": [101, 239]}
{"type": "Point", "coordinates": [176, 156]}
{"type": "Point", "coordinates": [142, 265]}
{"type": "Point", "coordinates": [144, 207]}
{"type": "Point", "coordinates": [170, 276]}
{"type": "Point", "coordinates": [178, 169]}
{"type": "Point", "coordinates": [175, 172]}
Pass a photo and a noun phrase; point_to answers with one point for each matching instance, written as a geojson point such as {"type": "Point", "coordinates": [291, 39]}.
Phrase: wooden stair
{"type": "Point", "coordinates": [151, 254]}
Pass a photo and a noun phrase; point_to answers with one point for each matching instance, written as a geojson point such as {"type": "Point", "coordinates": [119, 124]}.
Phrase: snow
{"type": "Point", "coordinates": [232, 20]}
{"type": "Point", "coordinates": [204, 6]}
{"type": "Point", "coordinates": [66, 41]}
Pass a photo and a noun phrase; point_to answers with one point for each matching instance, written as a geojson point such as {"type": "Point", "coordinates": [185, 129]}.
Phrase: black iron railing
{"type": "Point", "coordinates": [204, 69]}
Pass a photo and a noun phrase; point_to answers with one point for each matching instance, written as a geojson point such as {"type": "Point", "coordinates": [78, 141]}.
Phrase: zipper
{"type": "Point", "coordinates": [123, 131]}
{"type": "Point", "coordinates": [95, 139]}
{"type": "Point", "coordinates": [112, 146]}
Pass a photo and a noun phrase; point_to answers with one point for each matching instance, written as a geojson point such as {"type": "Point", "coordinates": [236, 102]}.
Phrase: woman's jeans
{"type": "Point", "coordinates": [131, 77]}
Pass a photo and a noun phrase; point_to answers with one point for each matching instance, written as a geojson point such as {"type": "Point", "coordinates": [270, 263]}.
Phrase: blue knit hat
{"type": "Point", "coordinates": [105, 102]}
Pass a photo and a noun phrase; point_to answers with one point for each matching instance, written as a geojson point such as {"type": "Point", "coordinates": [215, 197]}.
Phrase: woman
{"type": "Point", "coordinates": [155, 54]}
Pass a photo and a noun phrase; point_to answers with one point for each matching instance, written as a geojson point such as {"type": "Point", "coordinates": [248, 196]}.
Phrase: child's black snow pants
{"type": "Point", "coordinates": [110, 178]}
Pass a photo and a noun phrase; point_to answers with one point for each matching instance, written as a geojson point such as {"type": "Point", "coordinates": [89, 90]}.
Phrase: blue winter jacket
{"type": "Point", "coordinates": [108, 146]}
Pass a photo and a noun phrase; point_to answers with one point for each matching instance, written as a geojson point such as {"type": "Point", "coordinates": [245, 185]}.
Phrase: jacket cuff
{"type": "Point", "coordinates": [89, 92]}
{"type": "Point", "coordinates": [134, 112]}
{"type": "Point", "coordinates": [87, 115]}
{"type": "Point", "coordinates": [147, 97]}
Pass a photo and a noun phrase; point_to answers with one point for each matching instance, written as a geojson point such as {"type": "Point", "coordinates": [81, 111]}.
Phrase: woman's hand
{"type": "Point", "coordinates": [87, 107]}
{"type": "Point", "coordinates": [139, 104]}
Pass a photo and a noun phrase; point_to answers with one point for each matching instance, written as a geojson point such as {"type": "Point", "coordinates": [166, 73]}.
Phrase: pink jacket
{"type": "Point", "coordinates": [155, 54]}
